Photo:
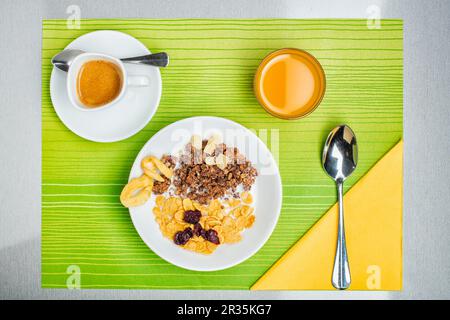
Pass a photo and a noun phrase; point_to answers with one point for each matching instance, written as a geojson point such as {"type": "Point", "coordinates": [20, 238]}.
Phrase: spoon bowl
{"type": "Point", "coordinates": [339, 160]}
{"type": "Point", "coordinates": [64, 59]}
{"type": "Point", "coordinates": [340, 153]}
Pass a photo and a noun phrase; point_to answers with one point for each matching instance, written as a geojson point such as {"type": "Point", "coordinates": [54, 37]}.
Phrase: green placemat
{"type": "Point", "coordinates": [84, 227]}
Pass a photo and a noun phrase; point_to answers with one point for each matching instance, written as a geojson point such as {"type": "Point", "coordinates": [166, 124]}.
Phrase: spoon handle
{"type": "Point", "coordinates": [341, 271]}
{"type": "Point", "coordinates": [160, 59]}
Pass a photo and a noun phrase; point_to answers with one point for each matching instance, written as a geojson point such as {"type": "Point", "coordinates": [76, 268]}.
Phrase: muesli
{"type": "Point", "coordinates": [203, 194]}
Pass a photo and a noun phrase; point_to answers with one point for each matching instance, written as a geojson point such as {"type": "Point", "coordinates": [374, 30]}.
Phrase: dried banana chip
{"type": "Point", "coordinates": [162, 167]}
{"type": "Point", "coordinates": [221, 161]}
{"type": "Point", "coordinates": [149, 169]}
{"type": "Point", "coordinates": [209, 148]}
{"type": "Point", "coordinates": [210, 161]}
{"type": "Point", "coordinates": [212, 144]}
{"type": "Point", "coordinates": [216, 138]}
{"type": "Point", "coordinates": [146, 163]}
{"type": "Point", "coordinates": [153, 174]}
{"type": "Point", "coordinates": [196, 142]}
{"type": "Point", "coordinates": [136, 192]}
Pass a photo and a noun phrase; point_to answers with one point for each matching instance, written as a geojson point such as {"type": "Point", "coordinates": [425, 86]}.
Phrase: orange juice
{"type": "Point", "coordinates": [289, 83]}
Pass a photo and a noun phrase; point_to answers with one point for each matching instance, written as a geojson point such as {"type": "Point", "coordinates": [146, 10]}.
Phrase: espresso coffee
{"type": "Point", "coordinates": [98, 83]}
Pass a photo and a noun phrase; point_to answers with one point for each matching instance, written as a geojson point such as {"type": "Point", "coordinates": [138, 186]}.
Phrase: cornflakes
{"type": "Point", "coordinates": [246, 197]}
{"type": "Point", "coordinates": [220, 221]}
{"type": "Point", "coordinates": [188, 205]}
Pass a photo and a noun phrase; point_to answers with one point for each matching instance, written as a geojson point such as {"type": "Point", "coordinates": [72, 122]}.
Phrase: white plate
{"type": "Point", "coordinates": [266, 191]}
{"type": "Point", "coordinates": [130, 114]}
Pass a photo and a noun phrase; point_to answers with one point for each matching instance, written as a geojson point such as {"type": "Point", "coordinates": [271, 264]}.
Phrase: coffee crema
{"type": "Point", "coordinates": [98, 83]}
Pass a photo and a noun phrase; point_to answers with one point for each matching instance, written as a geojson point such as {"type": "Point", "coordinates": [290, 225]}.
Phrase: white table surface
{"type": "Point", "coordinates": [426, 272]}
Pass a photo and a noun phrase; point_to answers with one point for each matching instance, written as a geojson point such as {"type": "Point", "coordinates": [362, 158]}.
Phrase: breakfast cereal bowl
{"type": "Point", "coordinates": [265, 190]}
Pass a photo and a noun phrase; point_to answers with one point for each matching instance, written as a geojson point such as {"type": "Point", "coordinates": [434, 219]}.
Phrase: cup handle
{"type": "Point", "coordinates": [138, 81]}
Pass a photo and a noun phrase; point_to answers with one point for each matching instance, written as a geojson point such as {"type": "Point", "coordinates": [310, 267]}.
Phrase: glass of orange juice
{"type": "Point", "coordinates": [289, 83]}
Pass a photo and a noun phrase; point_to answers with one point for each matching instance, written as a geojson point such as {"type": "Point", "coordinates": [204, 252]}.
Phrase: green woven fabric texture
{"type": "Point", "coordinates": [211, 73]}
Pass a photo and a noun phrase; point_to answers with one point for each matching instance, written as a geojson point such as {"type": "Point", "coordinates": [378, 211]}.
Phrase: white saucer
{"type": "Point", "coordinates": [267, 194]}
{"type": "Point", "coordinates": [127, 117]}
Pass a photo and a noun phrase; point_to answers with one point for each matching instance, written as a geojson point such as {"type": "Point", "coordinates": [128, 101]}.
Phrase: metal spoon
{"type": "Point", "coordinates": [339, 159]}
{"type": "Point", "coordinates": [64, 59]}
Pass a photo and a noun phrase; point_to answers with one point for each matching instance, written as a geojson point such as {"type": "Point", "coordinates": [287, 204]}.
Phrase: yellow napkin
{"type": "Point", "coordinates": [373, 226]}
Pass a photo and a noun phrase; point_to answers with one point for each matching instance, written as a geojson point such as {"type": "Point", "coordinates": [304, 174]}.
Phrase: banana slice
{"type": "Point", "coordinates": [162, 167]}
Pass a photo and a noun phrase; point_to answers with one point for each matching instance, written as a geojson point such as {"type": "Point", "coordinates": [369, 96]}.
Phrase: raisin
{"type": "Point", "coordinates": [178, 238]}
{"type": "Point", "coordinates": [182, 237]}
{"type": "Point", "coordinates": [212, 236]}
{"type": "Point", "coordinates": [198, 229]}
{"type": "Point", "coordinates": [192, 216]}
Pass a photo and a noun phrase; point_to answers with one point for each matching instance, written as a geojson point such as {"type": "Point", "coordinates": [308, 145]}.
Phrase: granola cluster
{"type": "Point", "coordinates": [205, 174]}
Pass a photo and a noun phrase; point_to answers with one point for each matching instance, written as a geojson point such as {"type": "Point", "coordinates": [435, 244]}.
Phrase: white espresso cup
{"type": "Point", "coordinates": [127, 80]}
